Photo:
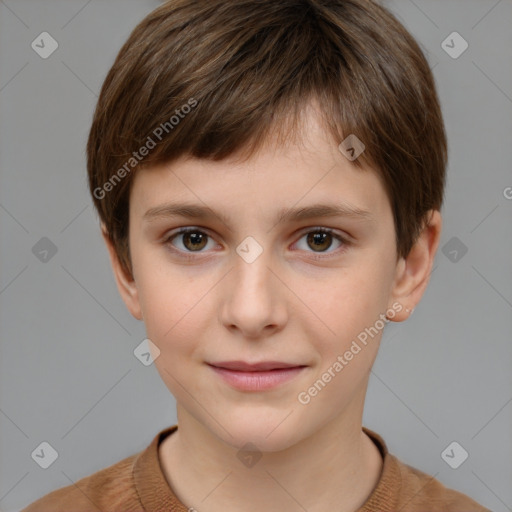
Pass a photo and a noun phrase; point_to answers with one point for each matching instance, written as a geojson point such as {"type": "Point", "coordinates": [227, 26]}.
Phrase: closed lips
{"type": "Point", "coordinates": [255, 367]}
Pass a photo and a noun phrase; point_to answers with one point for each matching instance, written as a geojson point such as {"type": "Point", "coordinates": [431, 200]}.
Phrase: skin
{"type": "Point", "coordinates": [297, 302]}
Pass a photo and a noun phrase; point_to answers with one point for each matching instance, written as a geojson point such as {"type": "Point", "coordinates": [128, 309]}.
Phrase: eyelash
{"type": "Point", "coordinates": [191, 255]}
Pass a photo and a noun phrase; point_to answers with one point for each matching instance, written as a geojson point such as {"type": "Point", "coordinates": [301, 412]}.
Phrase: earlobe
{"type": "Point", "coordinates": [413, 272]}
{"type": "Point", "coordinates": [125, 282]}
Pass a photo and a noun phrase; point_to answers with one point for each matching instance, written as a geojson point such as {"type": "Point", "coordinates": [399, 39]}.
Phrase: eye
{"type": "Point", "coordinates": [320, 239]}
{"type": "Point", "coordinates": [194, 240]}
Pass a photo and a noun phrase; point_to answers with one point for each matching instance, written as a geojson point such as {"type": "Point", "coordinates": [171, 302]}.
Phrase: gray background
{"type": "Point", "coordinates": [68, 374]}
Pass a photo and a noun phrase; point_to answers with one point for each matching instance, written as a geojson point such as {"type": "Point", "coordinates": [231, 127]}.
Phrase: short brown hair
{"type": "Point", "coordinates": [251, 66]}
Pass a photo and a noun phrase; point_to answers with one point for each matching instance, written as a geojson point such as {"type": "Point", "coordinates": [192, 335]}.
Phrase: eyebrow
{"type": "Point", "coordinates": [194, 211]}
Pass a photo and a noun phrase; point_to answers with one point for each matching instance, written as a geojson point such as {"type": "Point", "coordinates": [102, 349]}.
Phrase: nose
{"type": "Point", "coordinates": [254, 298]}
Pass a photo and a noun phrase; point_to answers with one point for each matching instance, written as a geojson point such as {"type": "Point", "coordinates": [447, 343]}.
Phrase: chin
{"type": "Point", "coordinates": [268, 432]}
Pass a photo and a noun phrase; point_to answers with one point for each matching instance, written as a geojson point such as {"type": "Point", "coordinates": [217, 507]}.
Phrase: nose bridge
{"type": "Point", "coordinates": [252, 264]}
{"type": "Point", "coordinates": [251, 304]}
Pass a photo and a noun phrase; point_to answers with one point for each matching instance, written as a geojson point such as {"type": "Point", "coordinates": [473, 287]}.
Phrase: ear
{"type": "Point", "coordinates": [413, 272]}
{"type": "Point", "coordinates": [125, 282]}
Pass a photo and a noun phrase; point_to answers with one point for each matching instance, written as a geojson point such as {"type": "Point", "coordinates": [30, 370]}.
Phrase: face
{"type": "Point", "coordinates": [244, 284]}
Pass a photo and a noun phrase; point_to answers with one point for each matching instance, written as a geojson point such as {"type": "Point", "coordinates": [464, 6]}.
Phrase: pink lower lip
{"type": "Point", "coordinates": [257, 381]}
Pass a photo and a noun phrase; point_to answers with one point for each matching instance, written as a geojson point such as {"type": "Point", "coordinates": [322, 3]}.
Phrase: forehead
{"type": "Point", "coordinates": [305, 171]}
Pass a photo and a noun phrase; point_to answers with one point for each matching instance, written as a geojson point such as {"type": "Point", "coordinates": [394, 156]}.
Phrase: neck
{"type": "Point", "coordinates": [338, 466]}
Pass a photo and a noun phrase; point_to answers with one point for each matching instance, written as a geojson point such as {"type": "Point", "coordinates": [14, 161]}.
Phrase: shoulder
{"type": "Point", "coordinates": [420, 491]}
{"type": "Point", "coordinates": [111, 488]}
{"type": "Point", "coordinates": [403, 487]}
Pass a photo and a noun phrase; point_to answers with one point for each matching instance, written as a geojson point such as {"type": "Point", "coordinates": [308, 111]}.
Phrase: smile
{"type": "Point", "coordinates": [257, 380]}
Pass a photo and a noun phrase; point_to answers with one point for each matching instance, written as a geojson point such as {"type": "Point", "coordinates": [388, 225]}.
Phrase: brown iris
{"type": "Point", "coordinates": [317, 239]}
{"type": "Point", "coordinates": [196, 238]}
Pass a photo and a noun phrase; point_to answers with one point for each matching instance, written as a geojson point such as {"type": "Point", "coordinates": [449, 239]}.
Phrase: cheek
{"type": "Point", "coordinates": [176, 308]}
{"type": "Point", "coordinates": [175, 311]}
{"type": "Point", "coordinates": [347, 350]}
{"type": "Point", "coordinates": [172, 316]}
{"type": "Point", "coordinates": [350, 309]}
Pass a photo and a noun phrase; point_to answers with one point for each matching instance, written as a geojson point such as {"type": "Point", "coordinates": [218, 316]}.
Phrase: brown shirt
{"type": "Point", "coordinates": [137, 484]}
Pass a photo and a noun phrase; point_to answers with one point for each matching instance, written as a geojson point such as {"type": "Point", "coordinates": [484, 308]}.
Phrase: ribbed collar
{"type": "Point", "coordinates": [156, 495]}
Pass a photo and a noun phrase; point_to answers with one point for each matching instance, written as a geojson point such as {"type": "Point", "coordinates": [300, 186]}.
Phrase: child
{"type": "Point", "coordinates": [269, 176]}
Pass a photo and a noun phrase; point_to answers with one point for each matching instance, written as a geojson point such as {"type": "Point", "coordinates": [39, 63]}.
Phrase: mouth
{"type": "Point", "coordinates": [242, 366]}
{"type": "Point", "coordinates": [256, 376]}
